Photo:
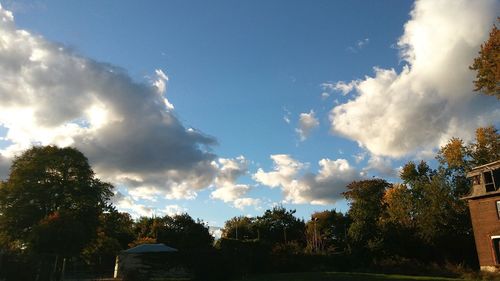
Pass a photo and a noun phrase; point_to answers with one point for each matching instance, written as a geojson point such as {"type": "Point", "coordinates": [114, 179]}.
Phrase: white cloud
{"type": "Point", "coordinates": [341, 86]}
{"type": "Point", "coordinates": [327, 86]}
{"type": "Point", "coordinates": [241, 203]}
{"type": "Point", "coordinates": [126, 203]}
{"type": "Point", "coordinates": [131, 205]}
{"type": "Point", "coordinates": [431, 99]}
{"type": "Point", "coordinates": [172, 210]}
{"type": "Point", "coordinates": [161, 85]}
{"type": "Point", "coordinates": [145, 193]}
{"type": "Point", "coordinates": [382, 166]}
{"type": "Point", "coordinates": [50, 95]}
{"type": "Point", "coordinates": [345, 88]}
{"type": "Point", "coordinates": [226, 188]}
{"type": "Point", "coordinates": [307, 122]}
{"type": "Point", "coordinates": [324, 187]}
{"type": "Point", "coordinates": [215, 231]}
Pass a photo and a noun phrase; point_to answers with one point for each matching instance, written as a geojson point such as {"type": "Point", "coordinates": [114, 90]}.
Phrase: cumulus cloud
{"type": "Point", "coordinates": [172, 210]}
{"type": "Point", "coordinates": [307, 123]}
{"type": "Point", "coordinates": [382, 166]}
{"type": "Point", "coordinates": [341, 87]}
{"type": "Point", "coordinates": [226, 188]}
{"type": "Point", "coordinates": [126, 203]}
{"type": "Point", "coordinates": [298, 186]}
{"type": "Point", "coordinates": [136, 209]}
{"type": "Point", "coordinates": [128, 130]}
{"type": "Point", "coordinates": [431, 99]}
{"type": "Point", "coordinates": [345, 88]}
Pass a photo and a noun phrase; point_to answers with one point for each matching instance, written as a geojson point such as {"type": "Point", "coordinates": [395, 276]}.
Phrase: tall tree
{"type": "Point", "coordinates": [52, 189]}
{"type": "Point", "coordinates": [51, 201]}
{"type": "Point", "coordinates": [279, 225]}
{"type": "Point", "coordinates": [367, 206]}
{"type": "Point", "coordinates": [184, 233]}
{"type": "Point", "coordinates": [326, 232]}
{"type": "Point", "coordinates": [241, 228]}
{"type": "Point", "coordinates": [487, 65]}
{"type": "Point", "coordinates": [114, 233]}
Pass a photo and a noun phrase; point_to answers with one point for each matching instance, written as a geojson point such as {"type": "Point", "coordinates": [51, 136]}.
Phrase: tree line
{"type": "Point", "coordinates": [55, 213]}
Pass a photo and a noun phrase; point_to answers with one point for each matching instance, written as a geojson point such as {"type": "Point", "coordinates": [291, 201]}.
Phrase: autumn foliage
{"type": "Point", "coordinates": [487, 65]}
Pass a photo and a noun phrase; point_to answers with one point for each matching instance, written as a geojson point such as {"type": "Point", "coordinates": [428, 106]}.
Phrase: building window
{"type": "Point", "coordinates": [498, 209]}
{"type": "Point", "coordinates": [492, 180]}
{"type": "Point", "coordinates": [495, 241]}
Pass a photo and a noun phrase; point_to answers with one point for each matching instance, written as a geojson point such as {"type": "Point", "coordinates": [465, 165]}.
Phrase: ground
{"type": "Point", "coordinates": [339, 276]}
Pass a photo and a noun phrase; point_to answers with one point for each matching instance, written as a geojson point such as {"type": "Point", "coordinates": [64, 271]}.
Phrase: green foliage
{"type": "Point", "coordinates": [240, 228]}
{"type": "Point", "coordinates": [276, 227]}
{"type": "Point", "coordinates": [326, 232]}
{"type": "Point", "coordinates": [279, 225]}
{"type": "Point", "coordinates": [114, 234]}
{"type": "Point", "coordinates": [182, 232]}
{"type": "Point", "coordinates": [487, 65]}
{"type": "Point", "coordinates": [51, 201]}
{"type": "Point", "coordinates": [427, 210]}
{"type": "Point", "coordinates": [178, 231]}
{"type": "Point", "coordinates": [367, 206]}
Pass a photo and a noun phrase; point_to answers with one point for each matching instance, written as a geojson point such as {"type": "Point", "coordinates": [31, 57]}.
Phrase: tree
{"type": "Point", "coordinates": [279, 225]}
{"type": "Point", "coordinates": [51, 202]}
{"type": "Point", "coordinates": [365, 198]}
{"type": "Point", "coordinates": [400, 206]}
{"type": "Point", "coordinates": [241, 228]}
{"type": "Point", "coordinates": [487, 65]}
{"type": "Point", "coordinates": [115, 233]}
{"type": "Point", "coordinates": [326, 232]}
{"type": "Point", "coordinates": [182, 232]}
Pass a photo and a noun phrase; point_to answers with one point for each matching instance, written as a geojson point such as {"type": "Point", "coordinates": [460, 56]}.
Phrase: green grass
{"type": "Point", "coordinates": [340, 276]}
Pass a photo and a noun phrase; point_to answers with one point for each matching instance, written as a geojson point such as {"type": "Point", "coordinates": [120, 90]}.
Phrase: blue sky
{"type": "Point", "coordinates": [349, 83]}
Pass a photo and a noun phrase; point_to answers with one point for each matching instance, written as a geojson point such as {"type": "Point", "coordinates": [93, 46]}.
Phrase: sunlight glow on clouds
{"type": "Point", "coordinates": [324, 187]}
{"type": "Point", "coordinates": [431, 99]}
{"type": "Point", "coordinates": [51, 95]}
{"type": "Point", "coordinates": [128, 204]}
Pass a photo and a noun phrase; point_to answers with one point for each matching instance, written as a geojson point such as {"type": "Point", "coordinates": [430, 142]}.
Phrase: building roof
{"type": "Point", "coordinates": [487, 167]}
{"type": "Point", "coordinates": [150, 248]}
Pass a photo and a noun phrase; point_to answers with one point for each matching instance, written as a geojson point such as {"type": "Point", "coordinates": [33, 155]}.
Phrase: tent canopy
{"type": "Point", "coordinates": [150, 248]}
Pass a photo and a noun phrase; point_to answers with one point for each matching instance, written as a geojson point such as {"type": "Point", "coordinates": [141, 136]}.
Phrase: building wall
{"type": "Point", "coordinates": [485, 223]}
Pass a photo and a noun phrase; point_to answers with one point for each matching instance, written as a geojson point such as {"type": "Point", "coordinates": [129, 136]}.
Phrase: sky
{"type": "Point", "coordinates": [227, 108]}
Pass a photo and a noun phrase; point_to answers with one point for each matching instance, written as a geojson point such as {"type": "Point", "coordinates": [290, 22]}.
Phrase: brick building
{"type": "Point", "coordinates": [484, 207]}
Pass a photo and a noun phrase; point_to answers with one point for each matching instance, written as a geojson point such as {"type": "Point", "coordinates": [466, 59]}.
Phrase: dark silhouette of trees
{"type": "Point", "coordinates": [179, 231]}
{"type": "Point", "coordinates": [366, 209]}
{"type": "Point", "coordinates": [241, 227]}
{"type": "Point", "coordinates": [51, 202]}
{"type": "Point", "coordinates": [184, 233]}
{"type": "Point", "coordinates": [326, 232]}
{"type": "Point", "coordinates": [114, 234]}
{"type": "Point", "coordinates": [279, 225]}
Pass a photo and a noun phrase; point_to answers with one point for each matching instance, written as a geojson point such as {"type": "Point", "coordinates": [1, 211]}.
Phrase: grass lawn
{"type": "Point", "coordinates": [340, 276]}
